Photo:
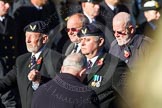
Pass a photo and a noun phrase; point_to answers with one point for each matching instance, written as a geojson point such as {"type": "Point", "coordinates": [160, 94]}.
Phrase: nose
{"type": "Point", "coordinates": [28, 40]}
{"type": "Point", "coordinates": [71, 32]}
{"type": "Point", "coordinates": [116, 34]}
{"type": "Point", "coordinates": [82, 42]}
{"type": "Point", "coordinates": [158, 14]}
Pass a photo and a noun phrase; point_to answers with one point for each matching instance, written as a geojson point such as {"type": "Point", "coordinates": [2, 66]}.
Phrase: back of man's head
{"type": "Point", "coordinates": [74, 63]}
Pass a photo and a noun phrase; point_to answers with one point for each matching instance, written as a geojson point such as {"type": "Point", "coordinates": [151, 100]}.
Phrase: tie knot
{"type": "Point", "coordinates": [33, 58]}
{"type": "Point", "coordinates": [89, 64]}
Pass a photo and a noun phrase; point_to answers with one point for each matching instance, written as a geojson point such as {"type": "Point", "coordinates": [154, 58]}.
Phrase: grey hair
{"type": "Point", "coordinates": [125, 17]}
{"type": "Point", "coordinates": [75, 60]}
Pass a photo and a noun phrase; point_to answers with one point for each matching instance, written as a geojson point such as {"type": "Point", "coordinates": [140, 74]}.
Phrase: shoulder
{"type": "Point", "coordinates": [23, 57]}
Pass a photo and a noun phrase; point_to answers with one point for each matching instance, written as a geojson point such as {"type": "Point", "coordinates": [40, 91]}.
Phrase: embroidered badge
{"type": "Point", "coordinates": [32, 27]}
{"type": "Point", "coordinates": [84, 31]}
{"type": "Point", "coordinates": [156, 5]}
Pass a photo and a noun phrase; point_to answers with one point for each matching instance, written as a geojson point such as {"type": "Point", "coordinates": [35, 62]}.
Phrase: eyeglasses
{"type": "Point", "coordinates": [121, 32]}
{"type": "Point", "coordinates": [72, 29]}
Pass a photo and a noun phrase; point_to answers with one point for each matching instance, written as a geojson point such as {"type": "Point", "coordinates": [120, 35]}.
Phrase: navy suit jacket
{"type": "Point", "coordinates": [64, 91]}
{"type": "Point", "coordinates": [113, 72]}
{"type": "Point", "coordinates": [51, 63]}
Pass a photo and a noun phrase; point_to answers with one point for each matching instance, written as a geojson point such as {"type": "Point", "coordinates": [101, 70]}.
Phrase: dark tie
{"type": "Point", "coordinates": [89, 64]}
{"type": "Point", "coordinates": [32, 62]}
{"type": "Point", "coordinates": [75, 48]}
{"type": "Point", "coordinates": [115, 11]}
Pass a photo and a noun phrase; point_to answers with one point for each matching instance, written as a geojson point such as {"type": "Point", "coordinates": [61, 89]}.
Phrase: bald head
{"type": "Point", "coordinates": [76, 61]}
{"type": "Point", "coordinates": [77, 19]}
{"type": "Point", "coordinates": [123, 18]}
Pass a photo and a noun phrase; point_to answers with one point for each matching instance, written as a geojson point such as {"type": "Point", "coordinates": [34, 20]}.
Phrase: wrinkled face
{"type": "Point", "coordinates": [4, 8]}
{"type": "Point", "coordinates": [153, 15]}
{"type": "Point", "coordinates": [121, 33]}
{"type": "Point", "coordinates": [91, 9]}
{"type": "Point", "coordinates": [90, 45]}
{"type": "Point", "coordinates": [73, 27]}
{"type": "Point", "coordinates": [34, 41]}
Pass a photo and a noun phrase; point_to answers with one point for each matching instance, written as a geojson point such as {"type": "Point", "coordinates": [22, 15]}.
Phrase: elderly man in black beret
{"type": "Point", "coordinates": [34, 68]}
{"type": "Point", "coordinates": [104, 71]}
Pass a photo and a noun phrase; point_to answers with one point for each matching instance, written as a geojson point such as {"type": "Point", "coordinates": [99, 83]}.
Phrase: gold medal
{"type": "Point", "coordinates": [93, 84]}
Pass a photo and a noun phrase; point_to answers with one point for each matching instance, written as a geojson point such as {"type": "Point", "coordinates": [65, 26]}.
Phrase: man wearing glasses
{"type": "Point", "coordinates": [74, 24]}
{"type": "Point", "coordinates": [128, 46]}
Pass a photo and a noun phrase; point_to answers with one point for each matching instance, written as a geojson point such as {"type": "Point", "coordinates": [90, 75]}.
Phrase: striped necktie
{"type": "Point", "coordinates": [32, 62]}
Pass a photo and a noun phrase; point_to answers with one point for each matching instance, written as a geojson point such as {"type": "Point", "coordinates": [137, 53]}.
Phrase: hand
{"type": "Point", "coordinates": [34, 76]}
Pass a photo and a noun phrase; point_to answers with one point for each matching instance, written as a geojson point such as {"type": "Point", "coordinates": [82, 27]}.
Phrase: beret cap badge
{"type": "Point", "coordinates": [33, 27]}
{"type": "Point", "coordinates": [157, 5]}
{"type": "Point", "coordinates": [84, 31]}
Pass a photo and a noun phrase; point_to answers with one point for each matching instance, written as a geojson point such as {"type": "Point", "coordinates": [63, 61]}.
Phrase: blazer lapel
{"type": "Point", "coordinates": [70, 49]}
{"type": "Point", "coordinates": [98, 64]}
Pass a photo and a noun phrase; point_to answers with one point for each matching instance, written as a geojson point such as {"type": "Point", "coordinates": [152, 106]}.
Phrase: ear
{"type": "Point", "coordinates": [83, 5]}
{"type": "Point", "coordinates": [82, 72]}
{"type": "Point", "coordinates": [45, 39]}
{"type": "Point", "coordinates": [62, 69]}
{"type": "Point", "coordinates": [101, 41]}
{"type": "Point", "coordinates": [131, 29]}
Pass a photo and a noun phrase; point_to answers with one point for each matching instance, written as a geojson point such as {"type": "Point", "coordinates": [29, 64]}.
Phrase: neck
{"type": "Point", "coordinates": [91, 55]}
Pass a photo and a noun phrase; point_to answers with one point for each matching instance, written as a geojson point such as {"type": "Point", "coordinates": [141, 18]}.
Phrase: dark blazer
{"type": "Point", "coordinates": [113, 72]}
{"type": "Point", "coordinates": [64, 91]}
{"type": "Point", "coordinates": [49, 65]}
{"type": "Point", "coordinates": [8, 47]}
{"type": "Point", "coordinates": [58, 38]}
{"type": "Point", "coordinates": [148, 29]}
{"type": "Point", "coordinates": [28, 13]}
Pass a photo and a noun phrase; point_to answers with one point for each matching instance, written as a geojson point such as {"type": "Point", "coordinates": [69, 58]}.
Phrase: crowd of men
{"type": "Point", "coordinates": [75, 59]}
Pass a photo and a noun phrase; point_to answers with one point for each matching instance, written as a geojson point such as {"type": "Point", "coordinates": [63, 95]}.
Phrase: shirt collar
{"type": "Point", "coordinates": [90, 19]}
{"type": "Point", "coordinates": [111, 6]}
{"type": "Point", "coordinates": [38, 53]}
{"type": "Point", "coordinates": [38, 7]}
{"type": "Point", "coordinates": [93, 60]}
{"type": "Point", "coordinates": [2, 18]}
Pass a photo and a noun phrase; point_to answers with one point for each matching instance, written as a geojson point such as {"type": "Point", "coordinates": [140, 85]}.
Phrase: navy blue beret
{"type": "Point", "coordinates": [90, 30]}
{"type": "Point", "coordinates": [37, 26]}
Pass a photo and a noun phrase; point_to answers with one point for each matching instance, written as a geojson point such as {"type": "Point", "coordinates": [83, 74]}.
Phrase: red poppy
{"type": "Point", "coordinates": [126, 54]}
{"type": "Point", "coordinates": [39, 61]}
{"type": "Point", "coordinates": [100, 62]}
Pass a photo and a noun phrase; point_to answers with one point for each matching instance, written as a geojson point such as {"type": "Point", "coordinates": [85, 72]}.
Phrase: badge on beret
{"type": "Point", "coordinates": [84, 31]}
{"type": "Point", "coordinates": [32, 27]}
{"type": "Point", "coordinates": [156, 5]}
